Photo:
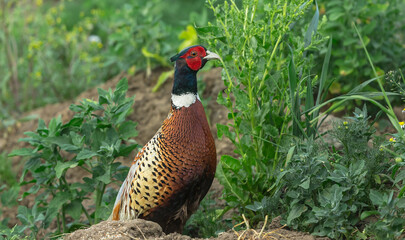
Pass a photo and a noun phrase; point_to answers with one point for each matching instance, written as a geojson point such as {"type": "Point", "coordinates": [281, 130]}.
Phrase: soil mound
{"type": "Point", "coordinates": [141, 229]}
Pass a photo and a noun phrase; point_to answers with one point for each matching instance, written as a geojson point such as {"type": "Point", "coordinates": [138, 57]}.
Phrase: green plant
{"type": "Point", "coordinates": [45, 60]}
{"type": "Point", "coordinates": [91, 141]}
{"type": "Point", "coordinates": [328, 190]}
{"type": "Point", "coordinates": [266, 66]}
{"type": "Point", "coordinates": [7, 174]}
{"type": "Point", "coordinates": [15, 233]}
{"type": "Point", "coordinates": [389, 223]}
{"type": "Point", "coordinates": [390, 211]}
{"type": "Point", "coordinates": [358, 93]}
{"type": "Point", "coordinates": [9, 195]}
{"type": "Point", "coordinates": [381, 25]}
{"type": "Point", "coordinates": [396, 80]}
{"type": "Point", "coordinates": [9, 190]}
{"type": "Point", "coordinates": [390, 203]}
{"type": "Point", "coordinates": [205, 222]}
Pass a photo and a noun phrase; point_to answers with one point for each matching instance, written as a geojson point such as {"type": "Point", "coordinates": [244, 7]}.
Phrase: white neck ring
{"type": "Point", "coordinates": [184, 100]}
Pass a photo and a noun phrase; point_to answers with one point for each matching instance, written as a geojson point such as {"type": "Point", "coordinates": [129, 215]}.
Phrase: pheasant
{"type": "Point", "coordinates": [173, 172]}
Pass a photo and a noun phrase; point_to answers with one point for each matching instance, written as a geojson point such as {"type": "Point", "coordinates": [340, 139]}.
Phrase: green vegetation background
{"type": "Point", "coordinates": [350, 52]}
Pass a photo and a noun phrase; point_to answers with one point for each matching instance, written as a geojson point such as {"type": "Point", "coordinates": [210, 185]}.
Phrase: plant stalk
{"type": "Point", "coordinates": [86, 213]}
{"type": "Point", "coordinates": [99, 197]}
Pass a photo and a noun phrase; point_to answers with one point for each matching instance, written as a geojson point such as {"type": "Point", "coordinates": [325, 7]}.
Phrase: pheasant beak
{"type": "Point", "coordinates": [211, 55]}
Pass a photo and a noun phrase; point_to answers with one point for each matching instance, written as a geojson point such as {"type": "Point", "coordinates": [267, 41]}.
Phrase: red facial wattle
{"type": "Point", "coordinates": [194, 57]}
{"type": "Point", "coordinates": [194, 63]}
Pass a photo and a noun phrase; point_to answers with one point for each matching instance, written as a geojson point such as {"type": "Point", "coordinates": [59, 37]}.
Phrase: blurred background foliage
{"type": "Point", "coordinates": [383, 29]}
{"type": "Point", "coordinates": [53, 50]}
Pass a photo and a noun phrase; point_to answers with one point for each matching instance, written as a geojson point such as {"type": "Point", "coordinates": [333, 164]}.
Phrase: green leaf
{"type": "Point", "coordinates": [331, 196]}
{"type": "Point", "coordinates": [76, 108]}
{"type": "Point", "coordinates": [323, 79]}
{"type": "Point", "coordinates": [77, 139]}
{"type": "Point", "coordinates": [23, 215]}
{"type": "Point", "coordinates": [50, 215]}
{"type": "Point", "coordinates": [294, 94]}
{"type": "Point", "coordinates": [74, 122]}
{"type": "Point", "coordinates": [289, 155]}
{"type": "Point", "coordinates": [96, 136]}
{"type": "Point", "coordinates": [21, 152]}
{"type": "Point", "coordinates": [224, 179]}
{"type": "Point", "coordinates": [305, 184]}
{"type": "Point", "coordinates": [312, 26]}
{"type": "Point", "coordinates": [127, 130]}
{"type": "Point", "coordinates": [377, 197]}
{"type": "Point", "coordinates": [231, 163]}
{"type": "Point", "coordinates": [32, 164]}
{"type": "Point", "coordinates": [112, 136]}
{"type": "Point", "coordinates": [241, 99]}
{"type": "Point", "coordinates": [224, 130]}
{"type": "Point", "coordinates": [106, 177]}
{"type": "Point", "coordinates": [296, 211]}
{"type": "Point", "coordinates": [62, 166]}
{"type": "Point", "coordinates": [41, 125]}
{"type": "Point", "coordinates": [162, 79]}
{"type": "Point", "coordinates": [155, 56]}
{"type": "Point", "coordinates": [122, 86]}
{"type": "Point", "coordinates": [121, 111]}
{"type": "Point", "coordinates": [103, 96]}
{"type": "Point", "coordinates": [64, 142]}
{"type": "Point", "coordinates": [86, 154]}
{"type": "Point", "coordinates": [400, 177]}
{"type": "Point", "coordinates": [126, 150]}
{"type": "Point", "coordinates": [54, 124]}
{"type": "Point", "coordinates": [335, 15]}
{"type": "Point", "coordinates": [74, 209]}
{"type": "Point", "coordinates": [9, 196]}
{"type": "Point", "coordinates": [367, 214]}
{"type": "Point", "coordinates": [221, 99]}
{"type": "Point", "coordinates": [210, 32]}
{"type": "Point", "coordinates": [271, 130]}
{"type": "Point", "coordinates": [34, 189]}
{"type": "Point", "coordinates": [401, 203]}
{"type": "Point", "coordinates": [60, 199]}
{"type": "Point", "coordinates": [190, 37]}
{"type": "Point", "coordinates": [87, 187]}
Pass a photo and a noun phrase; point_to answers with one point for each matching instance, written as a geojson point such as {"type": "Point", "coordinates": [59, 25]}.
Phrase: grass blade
{"type": "Point", "coordinates": [313, 26]}
{"type": "Point", "coordinates": [324, 73]}
{"type": "Point", "coordinates": [294, 95]}
{"type": "Point", "coordinates": [393, 118]}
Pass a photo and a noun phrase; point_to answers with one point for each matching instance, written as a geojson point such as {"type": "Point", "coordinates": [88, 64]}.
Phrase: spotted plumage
{"type": "Point", "coordinates": [174, 170]}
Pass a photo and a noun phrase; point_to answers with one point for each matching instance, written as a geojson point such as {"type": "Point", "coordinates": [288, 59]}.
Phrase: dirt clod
{"type": "Point", "coordinates": [120, 230]}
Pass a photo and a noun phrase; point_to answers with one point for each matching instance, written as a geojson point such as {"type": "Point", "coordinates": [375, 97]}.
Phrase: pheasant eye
{"type": "Point", "coordinates": [193, 54]}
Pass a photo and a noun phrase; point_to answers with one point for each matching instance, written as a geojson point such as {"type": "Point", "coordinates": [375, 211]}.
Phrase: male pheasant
{"type": "Point", "coordinates": [173, 172]}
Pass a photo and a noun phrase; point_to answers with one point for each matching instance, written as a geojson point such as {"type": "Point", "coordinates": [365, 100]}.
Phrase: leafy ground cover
{"type": "Point", "coordinates": [279, 66]}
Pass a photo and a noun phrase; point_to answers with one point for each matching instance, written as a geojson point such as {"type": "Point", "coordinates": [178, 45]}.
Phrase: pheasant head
{"type": "Point", "coordinates": [187, 63]}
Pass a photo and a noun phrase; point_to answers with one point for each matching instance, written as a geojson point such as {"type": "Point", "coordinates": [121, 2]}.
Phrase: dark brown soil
{"type": "Point", "coordinates": [150, 110]}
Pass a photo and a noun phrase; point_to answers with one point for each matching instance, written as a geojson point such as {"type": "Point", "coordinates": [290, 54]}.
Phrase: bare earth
{"type": "Point", "coordinates": [150, 110]}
